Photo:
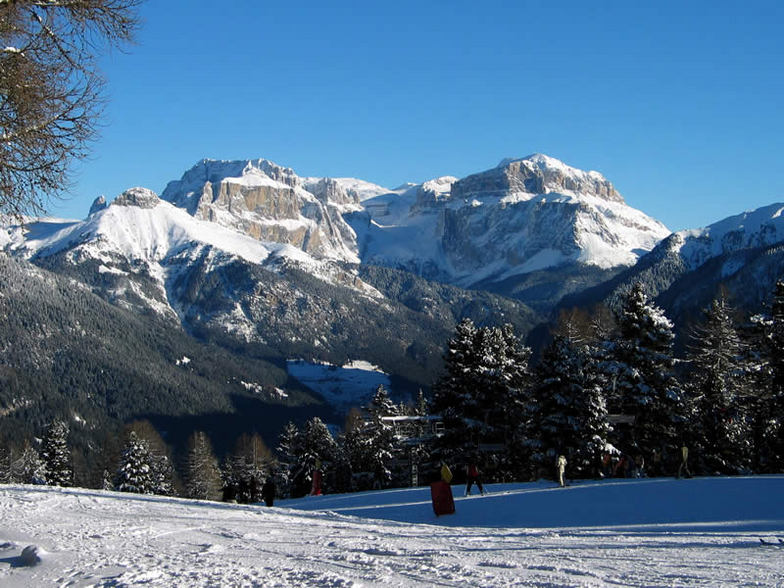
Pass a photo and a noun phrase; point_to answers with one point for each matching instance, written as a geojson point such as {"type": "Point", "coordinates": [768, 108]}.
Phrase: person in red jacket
{"type": "Point", "coordinates": [315, 489]}
{"type": "Point", "coordinates": [472, 477]}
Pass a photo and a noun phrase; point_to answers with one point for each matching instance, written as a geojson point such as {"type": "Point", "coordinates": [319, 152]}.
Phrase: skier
{"type": "Point", "coordinates": [315, 489]}
{"type": "Point", "coordinates": [268, 491]}
{"type": "Point", "coordinates": [446, 473]}
{"type": "Point", "coordinates": [441, 493]}
{"type": "Point", "coordinates": [684, 462]}
{"type": "Point", "coordinates": [561, 465]}
{"type": "Point", "coordinates": [472, 477]}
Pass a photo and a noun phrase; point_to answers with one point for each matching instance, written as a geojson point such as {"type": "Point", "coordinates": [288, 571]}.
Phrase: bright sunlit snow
{"type": "Point", "coordinates": [341, 386]}
{"type": "Point", "coordinates": [650, 532]}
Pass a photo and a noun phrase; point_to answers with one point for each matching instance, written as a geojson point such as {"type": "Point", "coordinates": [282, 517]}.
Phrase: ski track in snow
{"type": "Point", "coordinates": [95, 538]}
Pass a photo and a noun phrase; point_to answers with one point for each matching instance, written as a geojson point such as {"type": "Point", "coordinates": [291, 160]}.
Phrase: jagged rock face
{"type": "Point", "coordinates": [536, 174]}
{"type": "Point", "coordinates": [98, 205]}
{"type": "Point", "coordinates": [269, 203]}
{"type": "Point", "coordinates": [433, 193]}
{"type": "Point", "coordinates": [139, 197]}
{"type": "Point", "coordinates": [329, 190]}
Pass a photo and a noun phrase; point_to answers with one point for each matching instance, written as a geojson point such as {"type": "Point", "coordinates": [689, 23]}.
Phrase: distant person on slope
{"type": "Point", "coordinates": [446, 473]}
{"type": "Point", "coordinates": [472, 477]}
{"type": "Point", "coordinates": [684, 467]}
{"type": "Point", "coordinates": [561, 465]}
{"type": "Point", "coordinates": [315, 489]}
{"type": "Point", "coordinates": [268, 491]}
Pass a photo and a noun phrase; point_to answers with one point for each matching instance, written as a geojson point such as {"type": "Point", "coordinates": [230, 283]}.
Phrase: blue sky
{"type": "Point", "coordinates": [679, 104]}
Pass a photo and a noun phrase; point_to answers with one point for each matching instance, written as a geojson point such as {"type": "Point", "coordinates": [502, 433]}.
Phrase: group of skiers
{"type": "Point", "coordinates": [444, 504]}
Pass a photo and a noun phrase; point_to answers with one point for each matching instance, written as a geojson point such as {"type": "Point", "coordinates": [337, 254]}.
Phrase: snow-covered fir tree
{"type": "Point", "coordinates": [162, 475]}
{"type": "Point", "coordinates": [5, 465]}
{"type": "Point", "coordinates": [292, 477]}
{"type": "Point", "coordinates": [28, 468]}
{"type": "Point", "coordinates": [482, 395]}
{"type": "Point", "coordinates": [717, 393]}
{"type": "Point", "coordinates": [135, 473]}
{"type": "Point", "coordinates": [571, 416]}
{"type": "Point", "coordinates": [765, 366]}
{"type": "Point", "coordinates": [641, 367]}
{"type": "Point", "coordinates": [454, 395]}
{"type": "Point", "coordinates": [56, 454]}
{"type": "Point", "coordinates": [202, 479]}
{"type": "Point", "coordinates": [319, 450]}
{"type": "Point", "coordinates": [379, 437]}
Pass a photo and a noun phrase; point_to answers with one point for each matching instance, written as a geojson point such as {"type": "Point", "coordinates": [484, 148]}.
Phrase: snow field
{"type": "Point", "coordinates": [662, 532]}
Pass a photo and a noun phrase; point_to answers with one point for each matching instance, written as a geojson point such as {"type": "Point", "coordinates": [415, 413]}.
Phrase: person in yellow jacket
{"type": "Point", "coordinates": [446, 473]}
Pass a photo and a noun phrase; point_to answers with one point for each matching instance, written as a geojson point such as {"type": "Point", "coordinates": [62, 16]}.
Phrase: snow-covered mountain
{"type": "Point", "coordinates": [743, 253]}
{"type": "Point", "coordinates": [524, 215]}
{"type": "Point", "coordinates": [749, 230]}
{"type": "Point", "coordinates": [271, 203]}
{"type": "Point", "coordinates": [250, 251]}
{"type": "Point", "coordinates": [222, 284]}
{"type": "Point", "coordinates": [493, 230]}
{"type": "Point", "coordinates": [140, 240]}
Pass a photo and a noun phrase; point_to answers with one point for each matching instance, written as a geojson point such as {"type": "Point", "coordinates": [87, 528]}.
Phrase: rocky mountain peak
{"type": "Point", "coordinates": [140, 197]}
{"type": "Point", "coordinates": [98, 205]}
{"type": "Point", "coordinates": [268, 202]}
{"type": "Point", "coordinates": [536, 174]}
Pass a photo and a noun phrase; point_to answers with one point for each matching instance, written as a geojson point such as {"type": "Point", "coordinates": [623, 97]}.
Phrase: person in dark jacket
{"type": "Point", "coordinates": [473, 477]}
{"type": "Point", "coordinates": [268, 491]}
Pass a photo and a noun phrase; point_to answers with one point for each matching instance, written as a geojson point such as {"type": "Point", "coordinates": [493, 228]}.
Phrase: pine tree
{"type": "Point", "coordinates": [29, 468]}
{"type": "Point", "coordinates": [162, 475]}
{"type": "Point", "coordinates": [765, 361]}
{"type": "Point", "coordinates": [354, 445]}
{"type": "Point", "coordinates": [642, 370]}
{"type": "Point", "coordinates": [292, 475]}
{"type": "Point", "coordinates": [203, 479]}
{"type": "Point", "coordinates": [318, 451]}
{"type": "Point", "coordinates": [571, 416]}
{"type": "Point", "coordinates": [56, 454]}
{"type": "Point", "coordinates": [164, 478]}
{"type": "Point", "coordinates": [380, 437]}
{"type": "Point", "coordinates": [5, 466]}
{"type": "Point", "coordinates": [454, 394]}
{"type": "Point", "coordinates": [483, 394]}
{"type": "Point", "coordinates": [716, 387]}
{"type": "Point", "coordinates": [249, 465]}
{"type": "Point", "coordinates": [136, 467]}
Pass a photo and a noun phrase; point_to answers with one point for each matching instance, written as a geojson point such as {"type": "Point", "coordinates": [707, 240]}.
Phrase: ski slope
{"type": "Point", "coordinates": [650, 532]}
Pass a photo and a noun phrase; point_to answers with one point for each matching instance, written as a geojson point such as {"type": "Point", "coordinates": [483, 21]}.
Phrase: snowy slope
{"type": "Point", "coordinates": [701, 532]}
{"type": "Point", "coordinates": [344, 386]}
{"type": "Point", "coordinates": [141, 233]}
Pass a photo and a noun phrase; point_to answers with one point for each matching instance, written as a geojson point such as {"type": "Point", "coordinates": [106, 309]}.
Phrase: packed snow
{"type": "Point", "coordinates": [648, 532]}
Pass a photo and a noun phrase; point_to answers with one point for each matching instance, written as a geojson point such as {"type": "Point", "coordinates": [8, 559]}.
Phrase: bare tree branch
{"type": "Point", "coordinates": [51, 91]}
